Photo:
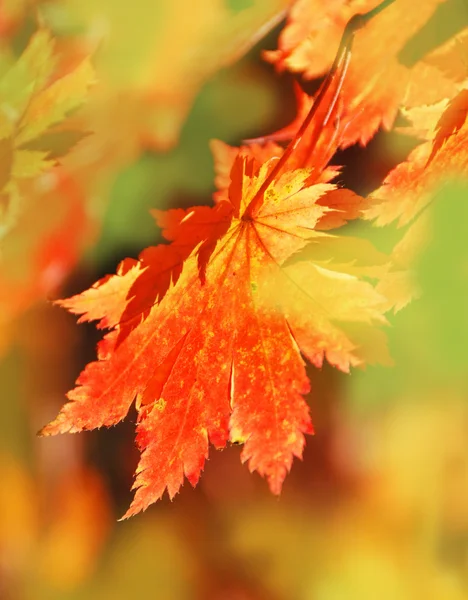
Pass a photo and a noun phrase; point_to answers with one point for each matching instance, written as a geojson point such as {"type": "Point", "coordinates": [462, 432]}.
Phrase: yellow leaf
{"type": "Point", "coordinates": [54, 103]}
{"type": "Point", "coordinates": [24, 78]}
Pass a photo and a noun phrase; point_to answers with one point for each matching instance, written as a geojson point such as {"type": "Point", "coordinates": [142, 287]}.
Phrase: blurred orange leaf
{"type": "Point", "coordinates": [376, 83]}
{"type": "Point", "coordinates": [74, 538]}
{"type": "Point", "coordinates": [62, 547]}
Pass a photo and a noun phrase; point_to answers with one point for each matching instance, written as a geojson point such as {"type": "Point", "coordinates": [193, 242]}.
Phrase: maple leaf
{"type": "Point", "coordinates": [32, 105]}
{"type": "Point", "coordinates": [33, 101]}
{"type": "Point", "coordinates": [409, 189]}
{"type": "Point", "coordinates": [217, 353]}
{"type": "Point", "coordinates": [207, 333]}
{"type": "Point", "coordinates": [376, 82]}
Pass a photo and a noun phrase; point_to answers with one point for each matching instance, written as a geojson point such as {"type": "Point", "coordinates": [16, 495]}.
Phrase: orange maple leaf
{"type": "Point", "coordinates": [376, 82]}
{"type": "Point", "coordinates": [208, 332]}
{"type": "Point", "coordinates": [409, 189]}
{"type": "Point", "coordinates": [215, 352]}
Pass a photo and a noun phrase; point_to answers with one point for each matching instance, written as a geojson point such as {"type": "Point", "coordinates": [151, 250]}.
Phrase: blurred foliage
{"type": "Point", "coordinates": [428, 339]}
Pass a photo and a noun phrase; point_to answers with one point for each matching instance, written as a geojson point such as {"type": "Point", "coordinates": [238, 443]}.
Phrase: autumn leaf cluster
{"type": "Point", "coordinates": [209, 333]}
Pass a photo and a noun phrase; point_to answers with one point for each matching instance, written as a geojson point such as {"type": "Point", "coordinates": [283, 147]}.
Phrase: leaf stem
{"type": "Point", "coordinates": [338, 71]}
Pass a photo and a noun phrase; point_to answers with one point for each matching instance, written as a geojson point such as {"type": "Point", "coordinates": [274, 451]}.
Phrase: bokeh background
{"type": "Point", "coordinates": [378, 508]}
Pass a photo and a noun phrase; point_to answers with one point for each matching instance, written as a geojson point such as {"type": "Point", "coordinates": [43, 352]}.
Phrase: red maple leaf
{"type": "Point", "coordinates": [208, 333]}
